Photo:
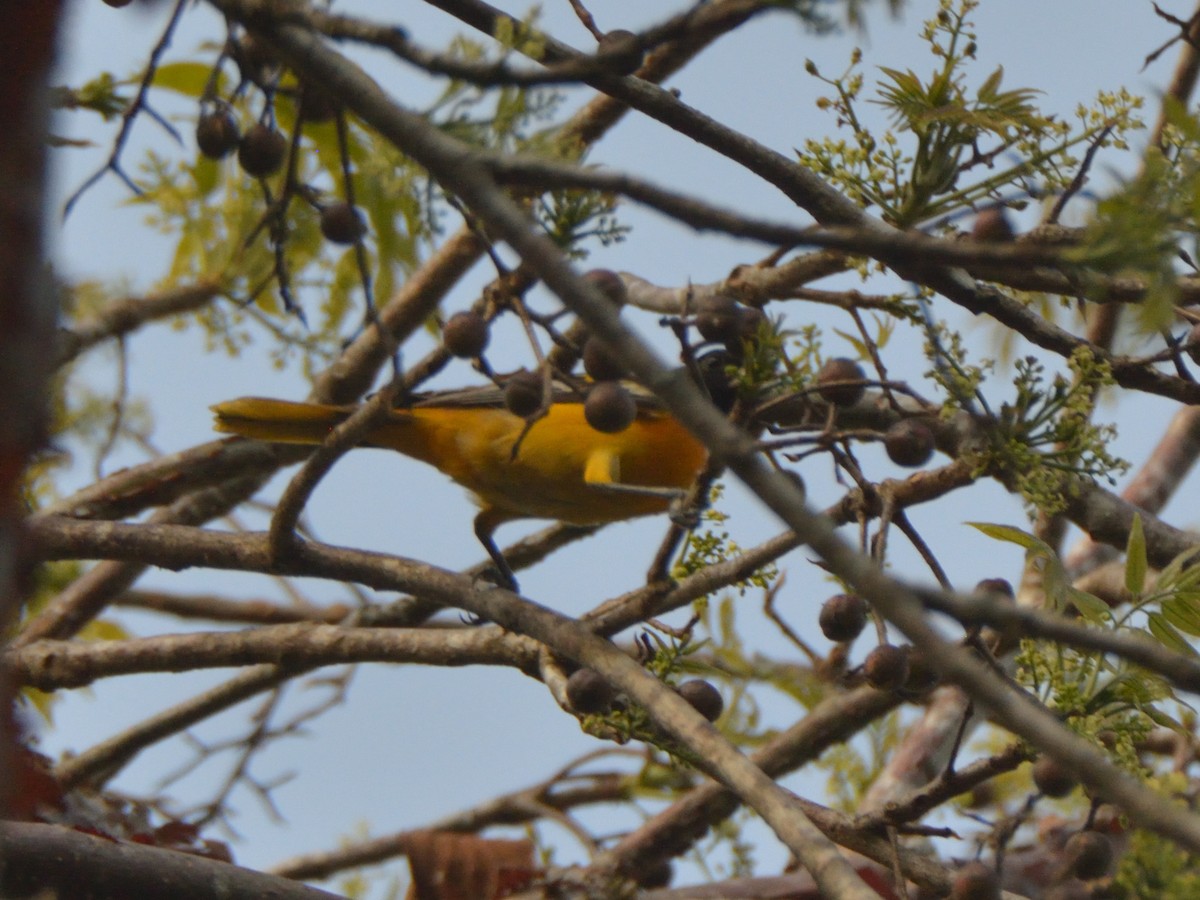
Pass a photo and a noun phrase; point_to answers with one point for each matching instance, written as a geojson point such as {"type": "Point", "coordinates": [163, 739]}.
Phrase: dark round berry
{"type": "Point", "coordinates": [750, 323]}
{"type": "Point", "coordinates": [718, 319]}
{"type": "Point", "coordinates": [975, 881]}
{"type": "Point", "coordinates": [117, 4]}
{"type": "Point", "coordinates": [703, 697]}
{"type": "Point", "coordinates": [840, 382]}
{"type": "Point", "coordinates": [317, 104]}
{"type": "Point", "coordinates": [995, 586]}
{"type": "Point", "coordinates": [992, 226]}
{"type": "Point", "coordinates": [609, 407]}
{"type": "Point", "coordinates": [620, 50]}
{"type": "Point", "coordinates": [523, 393]}
{"type": "Point", "coordinates": [609, 283]}
{"type": "Point", "coordinates": [1052, 778]}
{"type": "Point", "coordinates": [909, 442]}
{"type": "Point", "coordinates": [922, 677]}
{"type": "Point", "coordinates": [714, 369]}
{"type": "Point", "coordinates": [588, 693]}
{"type": "Point", "coordinates": [341, 223]}
{"type": "Point", "coordinates": [261, 151]}
{"type": "Point", "coordinates": [599, 363]}
{"type": "Point", "coordinates": [843, 617]}
{"type": "Point", "coordinates": [217, 133]}
{"type": "Point", "coordinates": [656, 875]}
{"type": "Point", "coordinates": [466, 335]}
{"type": "Point", "coordinates": [886, 667]}
{"type": "Point", "coordinates": [1090, 853]}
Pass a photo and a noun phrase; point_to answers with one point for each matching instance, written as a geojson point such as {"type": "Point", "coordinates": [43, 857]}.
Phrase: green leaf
{"type": "Point", "coordinates": [1166, 635]}
{"type": "Point", "coordinates": [100, 95]}
{"type": "Point", "coordinates": [189, 256]}
{"type": "Point", "coordinates": [1174, 575]}
{"type": "Point", "coordinates": [1176, 113]}
{"type": "Point", "coordinates": [1183, 614]}
{"type": "Point", "coordinates": [1090, 606]}
{"type": "Point", "coordinates": [1013, 536]}
{"type": "Point", "coordinates": [859, 347]}
{"type": "Point", "coordinates": [1135, 558]}
{"type": "Point", "coordinates": [187, 78]}
{"type": "Point", "coordinates": [1156, 715]}
{"type": "Point", "coordinates": [1055, 583]}
{"type": "Point", "coordinates": [989, 88]}
{"type": "Point", "coordinates": [207, 175]}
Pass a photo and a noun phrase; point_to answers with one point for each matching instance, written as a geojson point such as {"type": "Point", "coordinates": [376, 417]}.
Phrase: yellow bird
{"type": "Point", "coordinates": [562, 469]}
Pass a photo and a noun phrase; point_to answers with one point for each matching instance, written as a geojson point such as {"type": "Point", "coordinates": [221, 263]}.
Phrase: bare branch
{"type": "Point", "coordinates": [59, 859]}
{"type": "Point", "coordinates": [128, 315]}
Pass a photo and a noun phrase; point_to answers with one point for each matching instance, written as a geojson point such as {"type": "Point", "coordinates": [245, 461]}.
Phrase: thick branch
{"type": "Point", "coordinates": [37, 858]}
{"type": "Point", "coordinates": [50, 665]}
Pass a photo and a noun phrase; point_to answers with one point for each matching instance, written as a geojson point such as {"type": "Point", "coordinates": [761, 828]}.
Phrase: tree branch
{"type": "Point", "coordinates": [39, 858]}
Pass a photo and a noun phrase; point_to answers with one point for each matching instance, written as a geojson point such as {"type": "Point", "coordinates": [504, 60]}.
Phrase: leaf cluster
{"type": "Point", "coordinates": [1047, 431]}
{"type": "Point", "coordinates": [943, 130]}
{"type": "Point", "coordinates": [1113, 703]}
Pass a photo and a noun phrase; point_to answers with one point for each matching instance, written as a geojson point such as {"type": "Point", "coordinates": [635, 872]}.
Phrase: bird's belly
{"type": "Point", "coordinates": [546, 478]}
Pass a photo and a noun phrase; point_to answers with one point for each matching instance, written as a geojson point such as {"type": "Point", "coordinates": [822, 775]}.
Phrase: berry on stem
{"type": "Point", "coordinates": [843, 617]}
{"type": "Point", "coordinates": [909, 442]}
{"type": "Point", "coordinates": [609, 407]}
{"type": "Point", "coordinates": [523, 393]}
{"type": "Point", "coordinates": [1052, 778]}
{"type": "Point", "coordinates": [261, 151]}
{"type": "Point", "coordinates": [341, 223]}
{"type": "Point", "coordinates": [609, 283]}
{"type": "Point", "coordinates": [886, 667]}
{"type": "Point", "coordinates": [588, 693]}
{"type": "Point", "coordinates": [718, 319]}
{"type": "Point", "coordinates": [840, 382]}
{"type": "Point", "coordinates": [217, 133]}
{"type": "Point", "coordinates": [599, 363]}
{"type": "Point", "coordinates": [992, 226]}
{"type": "Point", "coordinates": [465, 335]}
{"type": "Point", "coordinates": [1090, 853]}
{"type": "Point", "coordinates": [703, 697]}
{"type": "Point", "coordinates": [995, 586]}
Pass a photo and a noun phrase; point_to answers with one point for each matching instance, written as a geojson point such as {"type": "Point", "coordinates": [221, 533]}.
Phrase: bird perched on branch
{"type": "Point", "coordinates": [556, 466]}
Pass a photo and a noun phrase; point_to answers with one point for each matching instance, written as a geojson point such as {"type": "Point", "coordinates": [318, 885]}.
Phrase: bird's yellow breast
{"type": "Point", "coordinates": [548, 477]}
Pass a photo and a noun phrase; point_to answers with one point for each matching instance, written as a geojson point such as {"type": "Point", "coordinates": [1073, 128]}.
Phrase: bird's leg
{"type": "Point", "coordinates": [485, 524]}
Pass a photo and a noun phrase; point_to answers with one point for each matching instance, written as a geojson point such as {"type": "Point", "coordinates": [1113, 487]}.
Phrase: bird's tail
{"type": "Point", "coordinates": [288, 422]}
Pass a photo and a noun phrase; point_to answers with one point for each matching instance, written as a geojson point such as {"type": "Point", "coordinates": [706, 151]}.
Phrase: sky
{"type": "Point", "coordinates": [416, 744]}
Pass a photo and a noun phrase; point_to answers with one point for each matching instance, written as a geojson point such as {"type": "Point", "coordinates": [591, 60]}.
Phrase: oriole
{"type": "Point", "coordinates": [562, 469]}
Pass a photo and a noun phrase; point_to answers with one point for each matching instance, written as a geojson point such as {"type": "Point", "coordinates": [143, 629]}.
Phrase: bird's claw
{"type": "Point", "coordinates": [682, 513]}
